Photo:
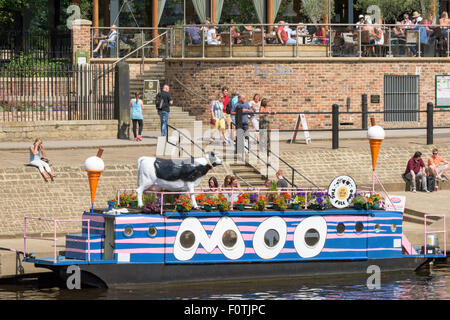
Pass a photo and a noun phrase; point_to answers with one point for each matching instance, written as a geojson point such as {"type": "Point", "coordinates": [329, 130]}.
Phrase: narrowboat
{"type": "Point", "coordinates": [129, 246]}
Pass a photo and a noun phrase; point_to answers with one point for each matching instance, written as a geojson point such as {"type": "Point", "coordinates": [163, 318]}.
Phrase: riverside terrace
{"type": "Point", "coordinates": [338, 40]}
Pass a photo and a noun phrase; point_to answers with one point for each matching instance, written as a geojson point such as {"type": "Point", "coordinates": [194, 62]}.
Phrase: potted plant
{"type": "Point", "coordinates": [243, 199]}
{"type": "Point", "coordinates": [375, 201]}
{"type": "Point", "coordinates": [206, 201]}
{"type": "Point", "coordinates": [359, 202]}
{"type": "Point", "coordinates": [273, 187]}
{"type": "Point", "coordinates": [183, 203]}
{"type": "Point", "coordinates": [298, 201]}
{"type": "Point", "coordinates": [124, 200]}
{"type": "Point", "coordinates": [280, 202]}
{"type": "Point", "coordinates": [319, 201]}
{"type": "Point", "coordinates": [222, 203]}
{"type": "Point", "coordinates": [111, 204]}
{"type": "Point", "coordinates": [260, 203]}
{"type": "Point", "coordinates": [253, 197]}
{"type": "Point", "coordinates": [133, 202]}
{"type": "Point", "coordinates": [152, 207]}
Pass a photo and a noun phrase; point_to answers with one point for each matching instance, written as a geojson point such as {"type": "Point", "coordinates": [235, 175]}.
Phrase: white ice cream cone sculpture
{"type": "Point", "coordinates": [375, 134]}
{"type": "Point", "coordinates": [94, 167]}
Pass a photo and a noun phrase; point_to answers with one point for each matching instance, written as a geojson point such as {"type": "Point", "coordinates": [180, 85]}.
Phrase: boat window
{"type": "Point", "coordinates": [394, 227]}
{"type": "Point", "coordinates": [187, 239]}
{"type": "Point", "coordinates": [340, 227]}
{"type": "Point", "coordinates": [359, 227]}
{"type": "Point", "coordinates": [128, 232]}
{"type": "Point", "coordinates": [271, 237]}
{"type": "Point", "coordinates": [152, 231]}
{"type": "Point", "coordinates": [377, 228]}
{"type": "Point", "coordinates": [229, 238]}
{"type": "Point", "coordinates": [312, 237]}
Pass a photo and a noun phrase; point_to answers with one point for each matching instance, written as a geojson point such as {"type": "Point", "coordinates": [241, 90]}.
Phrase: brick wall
{"type": "Point", "coordinates": [81, 36]}
{"type": "Point", "coordinates": [307, 85]}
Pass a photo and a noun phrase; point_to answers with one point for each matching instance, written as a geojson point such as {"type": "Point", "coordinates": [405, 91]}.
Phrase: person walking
{"type": "Point", "coordinates": [163, 103]}
{"type": "Point", "coordinates": [218, 119]}
{"type": "Point", "coordinates": [255, 104]}
{"type": "Point", "coordinates": [37, 152]}
{"type": "Point", "coordinates": [137, 106]}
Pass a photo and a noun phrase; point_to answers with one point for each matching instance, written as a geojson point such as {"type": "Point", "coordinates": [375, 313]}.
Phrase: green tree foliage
{"type": "Point", "coordinates": [9, 10]}
{"type": "Point", "coordinates": [392, 10]}
{"type": "Point", "coordinates": [315, 10]}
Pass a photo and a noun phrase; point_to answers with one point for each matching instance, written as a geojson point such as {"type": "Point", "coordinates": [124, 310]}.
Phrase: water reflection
{"type": "Point", "coordinates": [394, 285]}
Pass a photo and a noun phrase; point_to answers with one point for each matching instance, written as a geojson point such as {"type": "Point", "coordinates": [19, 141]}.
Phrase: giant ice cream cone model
{"type": "Point", "coordinates": [94, 167]}
{"type": "Point", "coordinates": [375, 134]}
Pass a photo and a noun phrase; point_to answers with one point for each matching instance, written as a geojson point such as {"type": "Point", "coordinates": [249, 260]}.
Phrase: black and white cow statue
{"type": "Point", "coordinates": [173, 175]}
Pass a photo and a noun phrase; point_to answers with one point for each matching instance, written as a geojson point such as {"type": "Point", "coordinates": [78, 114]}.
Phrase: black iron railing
{"type": "Point", "coordinates": [36, 46]}
{"type": "Point", "coordinates": [57, 92]}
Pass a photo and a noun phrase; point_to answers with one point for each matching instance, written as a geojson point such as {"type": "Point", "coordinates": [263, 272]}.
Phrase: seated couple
{"type": "Point", "coordinates": [416, 169]}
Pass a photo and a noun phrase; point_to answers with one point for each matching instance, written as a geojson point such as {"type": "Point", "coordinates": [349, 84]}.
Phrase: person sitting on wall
{"type": "Point", "coordinates": [37, 154]}
{"type": "Point", "coordinates": [433, 165]}
{"type": "Point", "coordinates": [109, 40]}
{"type": "Point", "coordinates": [416, 169]}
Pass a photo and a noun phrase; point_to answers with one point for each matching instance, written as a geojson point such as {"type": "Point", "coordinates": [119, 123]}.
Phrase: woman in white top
{"type": "Point", "coordinates": [255, 104]}
{"type": "Point", "coordinates": [211, 37]}
{"type": "Point", "coordinates": [36, 152]}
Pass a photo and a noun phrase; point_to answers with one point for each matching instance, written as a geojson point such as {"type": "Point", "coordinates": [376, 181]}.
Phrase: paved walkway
{"type": "Point", "coordinates": [73, 153]}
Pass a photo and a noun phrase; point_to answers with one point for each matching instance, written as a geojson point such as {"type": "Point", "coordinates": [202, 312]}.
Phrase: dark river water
{"type": "Point", "coordinates": [423, 284]}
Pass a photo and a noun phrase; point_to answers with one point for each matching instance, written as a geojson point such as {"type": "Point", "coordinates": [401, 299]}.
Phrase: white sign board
{"type": "Point", "coordinates": [301, 119]}
{"type": "Point", "coordinates": [341, 191]}
{"type": "Point", "coordinates": [442, 91]}
{"type": "Point", "coordinates": [396, 203]}
{"type": "Point", "coordinates": [305, 128]}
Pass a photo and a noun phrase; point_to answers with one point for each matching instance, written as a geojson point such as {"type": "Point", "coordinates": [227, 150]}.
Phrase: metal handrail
{"type": "Point", "coordinates": [139, 48]}
{"type": "Point", "coordinates": [267, 163]}
{"type": "Point", "coordinates": [190, 90]}
{"type": "Point", "coordinates": [247, 183]}
{"type": "Point", "coordinates": [179, 144]}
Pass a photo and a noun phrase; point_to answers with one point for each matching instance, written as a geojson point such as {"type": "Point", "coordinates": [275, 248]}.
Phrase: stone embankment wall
{"type": "Point", "coordinates": [25, 193]}
{"type": "Point", "coordinates": [322, 165]}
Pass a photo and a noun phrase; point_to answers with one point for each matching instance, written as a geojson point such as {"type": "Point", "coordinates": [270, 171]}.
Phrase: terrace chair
{"type": "Point", "coordinates": [349, 44]}
{"type": "Point", "coordinates": [440, 43]}
{"type": "Point", "coordinates": [412, 38]}
{"type": "Point", "coordinates": [256, 37]}
{"type": "Point", "coordinates": [365, 42]}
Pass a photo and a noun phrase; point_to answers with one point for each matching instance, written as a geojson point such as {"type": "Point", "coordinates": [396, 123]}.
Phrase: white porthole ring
{"type": "Point", "coordinates": [260, 247]}
{"type": "Point", "coordinates": [318, 223]}
{"type": "Point", "coordinates": [209, 243]}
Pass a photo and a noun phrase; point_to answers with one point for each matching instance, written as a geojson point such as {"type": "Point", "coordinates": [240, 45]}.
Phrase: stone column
{"type": "Point", "coordinates": [81, 36]}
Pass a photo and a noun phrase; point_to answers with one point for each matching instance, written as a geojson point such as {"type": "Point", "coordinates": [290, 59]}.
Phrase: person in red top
{"type": "Point", "coordinates": [281, 33]}
{"type": "Point", "coordinates": [416, 168]}
{"type": "Point", "coordinates": [226, 100]}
